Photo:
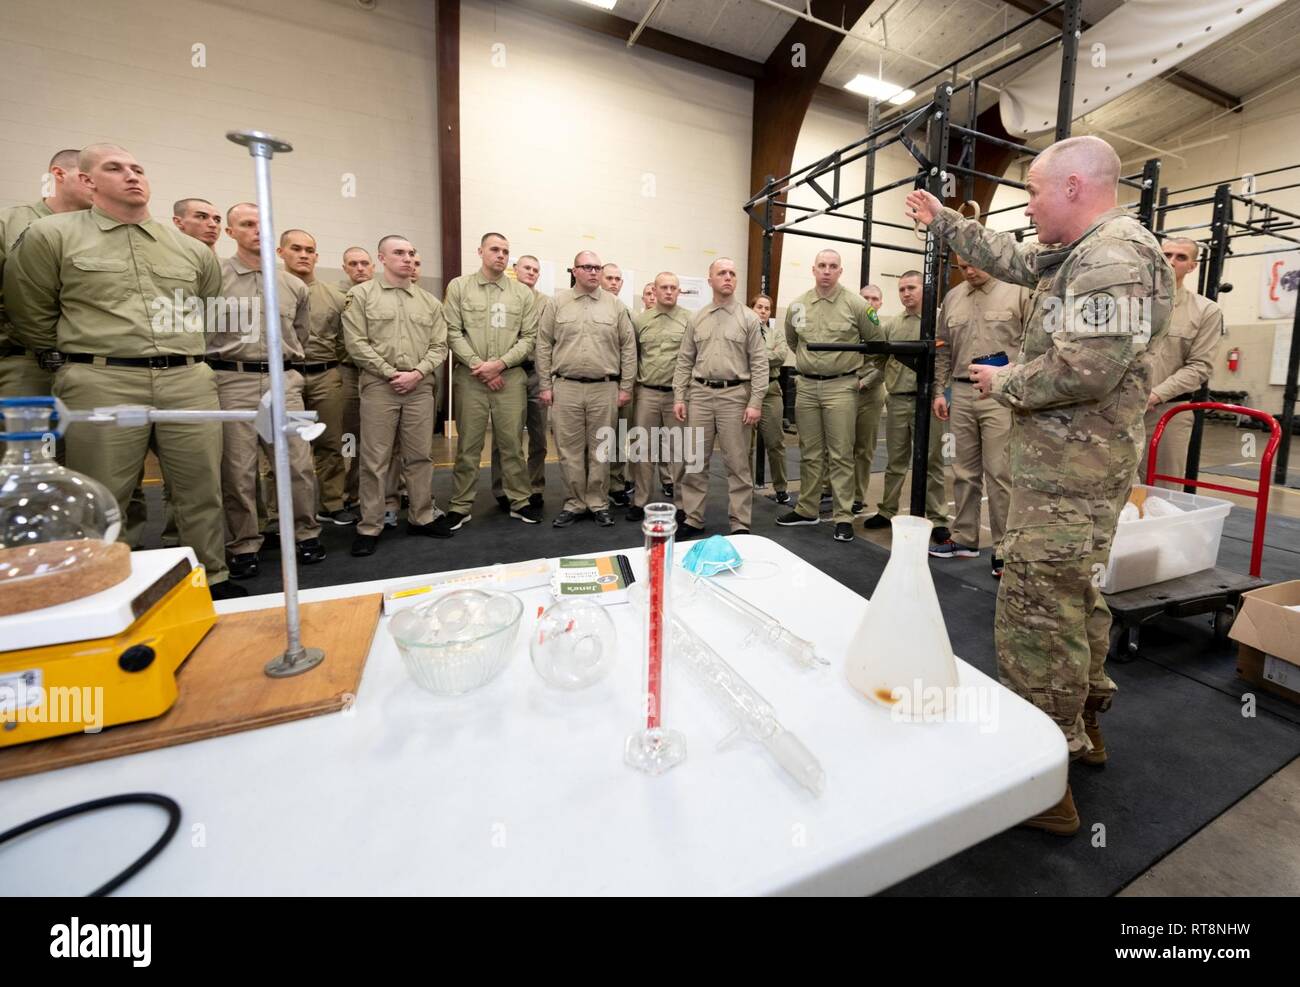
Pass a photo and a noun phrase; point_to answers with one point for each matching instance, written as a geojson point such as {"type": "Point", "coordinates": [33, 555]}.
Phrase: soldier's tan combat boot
{"type": "Point", "coordinates": [1092, 727]}
{"type": "Point", "coordinates": [1061, 819]}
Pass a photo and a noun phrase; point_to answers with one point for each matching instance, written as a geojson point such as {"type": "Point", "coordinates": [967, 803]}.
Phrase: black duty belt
{"type": "Point", "coordinates": [655, 387]}
{"type": "Point", "coordinates": [826, 377]}
{"type": "Point", "coordinates": [315, 368]}
{"type": "Point", "coordinates": [7, 351]}
{"type": "Point", "coordinates": [240, 366]}
{"type": "Point", "coordinates": [588, 380]}
{"type": "Point", "coordinates": [902, 394]}
{"type": "Point", "coordinates": [152, 362]}
{"type": "Point", "coordinates": [718, 385]}
{"type": "Point", "coordinates": [964, 380]}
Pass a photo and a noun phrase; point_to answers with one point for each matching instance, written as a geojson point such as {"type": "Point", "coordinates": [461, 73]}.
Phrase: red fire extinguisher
{"type": "Point", "coordinates": [1234, 358]}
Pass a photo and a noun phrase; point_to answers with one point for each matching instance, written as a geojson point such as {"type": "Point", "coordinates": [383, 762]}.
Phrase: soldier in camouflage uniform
{"type": "Point", "coordinates": [1101, 291]}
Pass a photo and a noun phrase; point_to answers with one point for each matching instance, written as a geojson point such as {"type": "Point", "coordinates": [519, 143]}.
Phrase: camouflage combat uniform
{"type": "Point", "coordinates": [1078, 393]}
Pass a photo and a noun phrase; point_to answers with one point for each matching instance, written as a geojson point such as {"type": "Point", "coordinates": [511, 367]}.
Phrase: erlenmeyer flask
{"type": "Point", "coordinates": [900, 656]}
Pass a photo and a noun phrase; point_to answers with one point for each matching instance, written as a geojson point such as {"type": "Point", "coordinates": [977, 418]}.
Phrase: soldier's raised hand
{"type": "Point", "coordinates": [922, 206]}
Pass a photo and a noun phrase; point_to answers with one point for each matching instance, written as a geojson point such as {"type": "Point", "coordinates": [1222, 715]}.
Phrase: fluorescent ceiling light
{"type": "Point", "coordinates": [602, 4]}
{"type": "Point", "coordinates": [869, 85]}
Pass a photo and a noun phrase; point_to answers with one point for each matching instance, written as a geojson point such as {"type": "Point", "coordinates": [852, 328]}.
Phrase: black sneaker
{"type": "Point", "coordinates": [342, 517]}
{"type": "Point", "coordinates": [636, 513]}
{"type": "Point", "coordinates": [564, 519]}
{"type": "Point", "coordinates": [227, 591]}
{"type": "Point", "coordinates": [537, 501]}
{"type": "Point", "coordinates": [503, 502]}
{"type": "Point", "coordinates": [455, 519]}
{"type": "Point", "coordinates": [310, 551]}
{"type": "Point", "coordinates": [940, 534]}
{"type": "Point", "coordinates": [619, 498]}
{"type": "Point", "coordinates": [877, 521]}
{"type": "Point", "coordinates": [791, 518]}
{"type": "Point", "coordinates": [244, 566]}
{"type": "Point", "coordinates": [843, 531]}
{"type": "Point", "coordinates": [858, 508]}
{"type": "Point", "coordinates": [680, 516]}
{"type": "Point", "coordinates": [528, 514]}
{"type": "Point", "coordinates": [390, 519]}
{"type": "Point", "coordinates": [437, 528]}
{"type": "Point", "coordinates": [997, 568]}
{"type": "Point", "coordinates": [685, 531]}
{"type": "Point", "coordinates": [782, 497]}
{"type": "Point", "coordinates": [364, 545]}
{"type": "Point", "coordinates": [667, 488]}
{"type": "Point", "coordinates": [603, 518]}
{"type": "Point", "coordinates": [741, 531]}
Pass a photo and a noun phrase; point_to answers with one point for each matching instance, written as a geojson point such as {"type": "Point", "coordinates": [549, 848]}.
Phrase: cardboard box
{"type": "Point", "coordinates": [1267, 630]}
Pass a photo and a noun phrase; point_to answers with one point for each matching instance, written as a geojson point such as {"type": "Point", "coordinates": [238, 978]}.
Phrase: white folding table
{"type": "Point", "coordinates": [517, 788]}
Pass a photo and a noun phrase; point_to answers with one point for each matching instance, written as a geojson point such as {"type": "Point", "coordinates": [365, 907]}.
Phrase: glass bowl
{"type": "Point", "coordinates": [458, 642]}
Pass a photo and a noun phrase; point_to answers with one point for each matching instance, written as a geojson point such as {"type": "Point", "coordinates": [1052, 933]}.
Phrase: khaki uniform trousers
{"type": "Point", "coordinates": [900, 416]}
{"type": "Point", "coordinates": [578, 414]}
{"type": "Point", "coordinates": [1171, 457]}
{"type": "Point", "coordinates": [189, 452]}
{"type": "Point", "coordinates": [618, 473]}
{"type": "Point", "coordinates": [22, 377]}
{"type": "Point", "coordinates": [981, 435]}
{"type": "Point", "coordinates": [388, 418]}
{"type": "Point", "coordinates": [323, 393]}
{"type": "Point", "coordinates": [240, 391]}
{"type": "Point", "coordinates": [871, 408]}
{"type": "Point", "coordinates": [769, 427]}
{"type": "Point", "coordinates": [350, 425]}
{"type": "Point", "coordinates": [827, 412]}
{"type": "Point", "coordinates": [654, 411]}
{"type": "Point", "coordinates": [716, 415]}
{"type": "Point", "coordinates": [535, 421]}
{"type": "Point", "coordinates": [477, 406]}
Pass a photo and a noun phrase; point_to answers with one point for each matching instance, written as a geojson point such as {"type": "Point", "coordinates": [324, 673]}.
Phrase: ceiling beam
{"type": "Point", "coordinates": [1177, 77]}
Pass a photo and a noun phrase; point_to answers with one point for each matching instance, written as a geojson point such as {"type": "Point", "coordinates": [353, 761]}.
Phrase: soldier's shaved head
{"type": "Point", "coordinates": [235, 208]}
{"type": "Point", "coordinates": [287, 235]}
{"type": "Point", "coordinates": [70, 193]}
{"type": "Point", "coordinates": [181, 207]}
{"type": "Point", "coordinates": [116, 180]}
{"type": "Point", "coordinates": [66, 159]}
{"type": "Point", "coordinates": [830, 252]}
{"type": "Point", "coordinates": [92, 154]}
{"type": "Point", "coordinates": [1070, 184]}
{"type": "Point", "coordinates": [1182, 254]}
{"type": "Point", "coordinates": [1183, 241]}
{"type": "Point", "coordinates": [1086, 155]}
{"type": "Point", "coordinates": [721, 260]}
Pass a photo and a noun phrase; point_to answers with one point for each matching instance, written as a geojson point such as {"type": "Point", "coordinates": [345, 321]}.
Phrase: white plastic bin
{"type": "Point", "coordinates": [1153, 549]}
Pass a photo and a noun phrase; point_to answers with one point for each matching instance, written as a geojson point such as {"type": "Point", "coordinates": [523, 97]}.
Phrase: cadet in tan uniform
{"type": "Point", "coordinates": [491, 329]}
{"type": "Point", "coordinates": [620, 482]}
{"type": "Point", "coordinates": [1181, 361]}
{"type": "Point", "coordinates": [871, 408]}
{"type": "Point", "coordinates": [586, 364]}
{"type": "Point", "coordinates": [900, 412]}
{"type": "Point", "coordinates": [239, 355]}
{"type": "Point", "coordinates": [773, 401]}
{"type": "Point", "coordinates": [527, 270]}
{"type": "Point", "coordinates": [198, 218]}
{"type": "Point", "coordinates": [827, 400]}
{"type": "Point", "coordinates": [99, 287]}
{"type": "Point", "coordinates": [647, 298]}
{"type": "Point", "coordinates": [20, 374]}
{"type": "Point", "coordinates": [359, 269]}
{"type": "Point", "coordinates": [322, 383]}
{"type": "Point", "coordinates": [397, 336]}
{"type": "Point", "coordinates": [659, 332]}
{"type": "Point", "coordinates": [718, 387]}
{"type": "Point", "coordinates": [981, 317]}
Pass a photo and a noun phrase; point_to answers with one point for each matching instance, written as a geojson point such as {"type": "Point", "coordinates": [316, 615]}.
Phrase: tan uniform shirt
{"type": "Point", "coordinates": [900, 379]}
{"type": "Point", "coordinates": [490, 320]}
{"type": "Point", "coordinates": [83, 282]}
{"type": "Point", "coordinates": [658, 340]}
{"type": "Point", "coordinates": [586, 336]}
{"type": "Point", "coordinates": [777, 348]}
{"type": "Point", "coordinates": [723, 341]}
{"type": "Point", "coordinates": [841, 317]}
{"type": "Point", "coordinates": [1183, 358]}
{"type": "Point", "coordinates": [390, 329]}
{"type": "Point", "coordinates": [325, 323]}
{"type": "Point", "coordinates": [977, 322]}
{"type": "Point", "coordinates": [13, 222]}
{"type": "Point", "coordinates": [241, 331]}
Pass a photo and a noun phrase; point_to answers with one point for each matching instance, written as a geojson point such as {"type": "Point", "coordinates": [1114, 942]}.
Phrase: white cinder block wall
{"type": "Point", "coordinates": [353, 90]}
{"type": "Point", "coordinates": [571, 141]}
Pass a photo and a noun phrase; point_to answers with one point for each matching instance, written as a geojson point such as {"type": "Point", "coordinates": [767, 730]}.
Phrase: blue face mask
{"type": "Point", "coordinates": [711, 556]}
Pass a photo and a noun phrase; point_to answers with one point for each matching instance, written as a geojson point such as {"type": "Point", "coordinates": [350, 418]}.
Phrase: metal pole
{"type": "Point", "coordinates": [1151, 191]}
{"type": "Point", "coordinates": [765, 286]}
{"type": "Point", "coordinates": [1289, 399]}
{"type": "Point", "coordinates": [1069, 55]}
{"type": "Point", "coordinates": [296, 658]}
{"type": "Point", "coordinates": [1218, 253]}
{"type": "Point", "coordinates": [868, 200]}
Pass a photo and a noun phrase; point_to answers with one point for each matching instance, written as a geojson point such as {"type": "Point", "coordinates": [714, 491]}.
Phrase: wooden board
{"type": "Point", "coordinates": [224, 690]}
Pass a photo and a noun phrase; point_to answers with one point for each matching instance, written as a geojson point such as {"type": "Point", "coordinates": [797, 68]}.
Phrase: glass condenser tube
{"type": "Point", "coordinates": [753, 715]}
{"type": "Point", "coordinates": [764, 627]}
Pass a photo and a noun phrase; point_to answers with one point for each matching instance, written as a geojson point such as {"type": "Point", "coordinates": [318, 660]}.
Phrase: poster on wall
{"type": "Point", "coordinates": [695, 292]}
{"type": "Point", "coordinates": [1279, 279]}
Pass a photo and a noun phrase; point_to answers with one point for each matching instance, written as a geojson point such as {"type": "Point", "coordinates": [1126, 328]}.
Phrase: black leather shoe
{"type": "Point", "coordinates": [685, 531]}
{"type": "Point", "coordinates": [604, 519]}
{"type": "Point", "coordinates": [503, 503]}
{"type": "Point", "coordinates": [244, 566]}
{"type": "Point", "coordinates": [668, 490]}
{"type": "Point", "coordinates": [940, 534]}
{"type": "Point", "coordinates": [564, 519]}
{"type": "Point", "coordinates": [877, 521]}
{"type": "Point", "coordinates": [363, 545]}
{"type": "Point", "coordinates": [620, 498]}
{"type": "Point", "coordinates": [227, 591]}
{"type": "Point", "coordinates": [741, 531]}
{"type": "Point", "coordinates": [310, 551]}
{"type": "Point", "coordinates": [437, 528]}
{"type": "Point", "coordinates": [636, 513]}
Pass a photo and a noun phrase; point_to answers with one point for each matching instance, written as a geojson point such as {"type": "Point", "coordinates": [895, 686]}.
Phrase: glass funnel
{"type": "Point", "coordinates": [900, 655]}
{"type": "Point", "coordinates": [58, 528]}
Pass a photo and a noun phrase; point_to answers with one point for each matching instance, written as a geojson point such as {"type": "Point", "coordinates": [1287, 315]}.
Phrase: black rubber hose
{"type": "Point", "coordinates": [135, 798]}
